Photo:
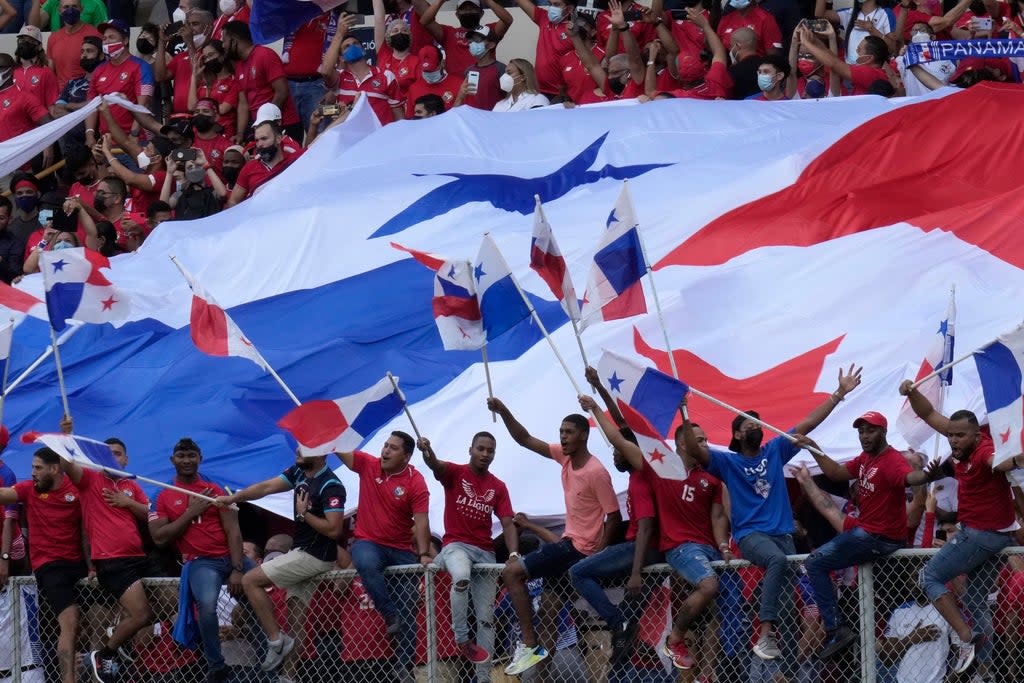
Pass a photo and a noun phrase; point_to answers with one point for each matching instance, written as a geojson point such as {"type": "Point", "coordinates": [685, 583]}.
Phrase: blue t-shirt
{"type": "Point", "coordinates": [757, 488]}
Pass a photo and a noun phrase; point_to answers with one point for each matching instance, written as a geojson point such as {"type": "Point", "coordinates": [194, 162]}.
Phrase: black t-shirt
{"type": "Point", "coordinates": [326, 494]}
{"type": "Point", "coordinates": [744, 77]}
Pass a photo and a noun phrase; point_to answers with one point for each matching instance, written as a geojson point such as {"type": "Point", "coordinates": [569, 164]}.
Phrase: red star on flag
{"type": "Point", "coordinates": [109, 303]}
{"type": "Point", "coordinates": [657, 456]}
{"type": "Point", "coordinates": [1005, 436]}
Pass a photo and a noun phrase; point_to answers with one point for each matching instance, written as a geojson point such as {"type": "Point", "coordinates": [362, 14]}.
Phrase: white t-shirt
{"type": "Point", "coordinates": [923, 662]}
{"type": "Point", "coordinates": [883, 20]}
{"type": "Point", "coordinates": [527, 100]}
{"type": "Point", "coordinates": [941, 70]}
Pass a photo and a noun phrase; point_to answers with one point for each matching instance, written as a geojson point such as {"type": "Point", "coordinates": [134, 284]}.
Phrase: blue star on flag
{"type": "Point", "coordinates": [614, 382]}
{"type": "Point", "coordinates": [59, 265]}
{"type": "Point", "coordinates": [479, 271]}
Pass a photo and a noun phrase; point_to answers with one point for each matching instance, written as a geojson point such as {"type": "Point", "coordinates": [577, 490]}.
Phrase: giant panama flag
{"type": "Point", "coordinates": [788, 240]}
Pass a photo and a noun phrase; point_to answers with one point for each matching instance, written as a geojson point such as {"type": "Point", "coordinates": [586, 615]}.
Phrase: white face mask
{"type": "Point", "coordinates": [178, 15]}
{"type": "Point", "coordinates": [199, 39]}
{"type": "Point", "coordinates": [143, 160]}
{"type": "Point", "coordinates": [227, 6]}
{"type": "Point", "coordinates": [920, 37]}
{"type": "Point", "coordinates": [506, 82]}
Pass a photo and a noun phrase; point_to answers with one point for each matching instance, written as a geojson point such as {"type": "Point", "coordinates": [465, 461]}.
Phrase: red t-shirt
{"type": "Point", "coordinates": [488, 92]}
{"type": "Point", "coordinates": [19, 111]}
{"type": "Point", "coordinates": [756, 19]}
{"type": "Point", "coordinates": [65, 50]}
{"type": "Point", "coordinates": [984, 497]}
{"type": "Point", "coordinates": [914, 17]}
{"type": "Point", "coordinates": [241, 14]}
{"type": "Point", "coordinates": [387, 503]}
{"type": "Point", "coordinates": [112, 531]}
{"type": "Point", "coordinates": [456, 48]}
{"type": "Point", "coordinates": [639, 502]}
{"type": "Point", "coordinates": [255, 173]}
{"type": "Point", "coordinates": [447, 89]}
{"type": "Point", "coordinates": [689, 37]}
{"type": "Point", "coordinates": [579, 86]}
{"type": "Point", "coordinates": [255, 74]}
{"type": "Point", "coordinates": [405, 70]}
{"type": "Point", "coordinates": [553, 42]}
{"type": "Point", "coordinates": [306, 48]}
{"type": "Point", "coordinates": [39, 80]}
{"type": "Point", "coordinates": [469, 501]}
{"type": "Point", "coordinates": [380, 87]}
{"type": "Point", "coordinates": [717, 85]}
{"type": "Point", "coordinates": [205, 536]}
{"type": "Point", "coordinates": [140, 199]}
{"type": "Point", "coordinates": [684, 507]}
{"type": "Point", "coordinates": [642, 31]}
{"type": "Point", "coordinates": [223, 90]}
{"type": "Point", "coordinates": [132, 78]}
{"type": "Point", "coordinates": [632, 89]}
{"type": "Point", "coordinates": [862, 76]}
{"type": "Point", "coordinates": [881, 482]}
{"type": "Point", "coordinates": [55, 518]}
{"type": "Point", "coordinates": [180, 70]}
{"type": "Point", "coordinates": [214, 149]}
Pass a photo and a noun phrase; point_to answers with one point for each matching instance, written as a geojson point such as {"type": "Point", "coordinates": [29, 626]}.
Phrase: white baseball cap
{"type": "Point", "coordinates": [267, 112]}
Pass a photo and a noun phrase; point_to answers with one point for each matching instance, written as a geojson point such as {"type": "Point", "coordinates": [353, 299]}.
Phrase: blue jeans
{"type": "Point", "coordinates": [370, 560]}
{"type": "Point", "coordinates": [976, 553]}
{"type": "Point", "coordinates": [614, 562]}
{"type": "Point", "coordinates": [206, 576]}
{"type": "Point", "coordinates": [307, 96]}
{"type": "Point", "coordinates": [845, 550]}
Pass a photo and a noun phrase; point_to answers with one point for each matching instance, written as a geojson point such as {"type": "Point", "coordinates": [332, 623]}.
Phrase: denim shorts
{"type": "Point", "coordinates": [552, 560]}
{"type": "Point", "coordinates": [692, 561]}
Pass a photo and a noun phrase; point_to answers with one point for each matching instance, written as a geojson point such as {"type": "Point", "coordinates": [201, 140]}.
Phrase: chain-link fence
{"type": "Point", "coordinates": [342, 638]}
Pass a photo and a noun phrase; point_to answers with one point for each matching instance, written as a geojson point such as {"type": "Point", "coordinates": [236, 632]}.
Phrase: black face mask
{"type": "Point", "coordinates": [231, 173]}
{"type": "Point", "coordinates": [88, 65]}
{"type": "Point", "coordinates": [470, 21]}
{"type": "Point", "coordinates": [400, 42]}
{"type": "Point", "coordinates": [202, 123]}
{"type": "Point", "coordinates": [267, 153]}
{"type": "Point", "coordinates": [752, 438]}
{"type": "Point", "coordinates": [145, 47]}
{"type": "Point", "coordinates": [26, 50]}
{"type": "Point", "coordinates": [213, 66]}
{"type": "Point", "coordinates": [99, 202]}
{"type": "Point", "coordinates": [616, 85]}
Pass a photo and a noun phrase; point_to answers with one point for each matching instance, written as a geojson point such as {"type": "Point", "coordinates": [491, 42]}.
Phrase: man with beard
{"type": "Point", "coordinates": [55, 517]}
{"type": "Point", "coordinates": [882, 476]}
{"type": "Point", "coordinates": [762, 518]}
{"type": "Point", "coordinates": [986, 515]}
{"type": "Point", "coordinates": [269, 162]}
{"type": "Point", "coordinates": [260, 75]}
{"type": "Point", "coordinates": [64, 47]}
{"type": "Point", "coordinates": [319, 504]}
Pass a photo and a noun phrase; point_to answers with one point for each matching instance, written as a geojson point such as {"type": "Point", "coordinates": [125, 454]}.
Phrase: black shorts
{"type": "Point", "coordinates": [58, 583]}
{"type": "Point", "coordinates": [117, 574]}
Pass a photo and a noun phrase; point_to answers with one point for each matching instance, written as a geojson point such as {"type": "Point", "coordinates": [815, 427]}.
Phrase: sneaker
{"type": "Point", "coordinates": [393, 627]}
{"type": "Point", "coordinates": [474, 652]}
{"type": "Point", "coordinates": [842, 638]}
{"type": "Point", "coordinates": [965, 655]}
{"type": "Point", "coordinates": [679, 654]}
{"type": "Point", "coordinates": [103, 670]}
{"type": "Point", "coordinates": [622, 641]}
{"type": "Point", "coordinates": [276, 654]}
{"type": "Point", "coordinates": [766, 647]}
{"type": "Point", "coordinates": [525, 658]}
{"type": "Point", "coordinates": [125, 654]}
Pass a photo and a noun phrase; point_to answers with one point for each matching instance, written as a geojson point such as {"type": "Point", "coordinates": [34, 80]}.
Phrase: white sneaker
{"type": "Point", "coordinates": [277, 654]}
{"type": "Point", "coordinates": [766, 648]}
{"type": "Point", "coordinates": [965, 655]}
{"type": "Point", "coordinates": [525, 658]}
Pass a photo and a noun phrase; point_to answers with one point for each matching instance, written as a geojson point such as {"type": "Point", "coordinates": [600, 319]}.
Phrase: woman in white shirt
{"type": "Point", "coordinates": [520, 82]}
{"type": "Point", "coordinates": [865, 18]}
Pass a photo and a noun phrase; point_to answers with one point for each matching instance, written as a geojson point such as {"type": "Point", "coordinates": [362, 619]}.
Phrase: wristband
{"type": "Point", "coordinates": [90, 130]}
{"type": "Point", "coordinates": [650, 63]}
{"type": "Point", "coordinates": [723, 545]}
{"type": "Point", "coordinates": [423, 555]}
{"type": "Point", "coordinates": [514, 555]}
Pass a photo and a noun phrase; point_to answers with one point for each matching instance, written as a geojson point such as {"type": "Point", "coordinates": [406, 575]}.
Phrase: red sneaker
{"type": "Point", "coordinates": [474, 652]}
{"type": "Point", "coordinates": [679, 654]}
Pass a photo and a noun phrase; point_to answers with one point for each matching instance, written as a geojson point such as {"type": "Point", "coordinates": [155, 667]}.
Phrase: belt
{"type": "Point", "coordinates": [305, 79]}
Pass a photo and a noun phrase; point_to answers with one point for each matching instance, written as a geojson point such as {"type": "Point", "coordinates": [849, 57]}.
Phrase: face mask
{"type": "Point", "coordinates": [143, 160]}
{"type": "Point", "coordinates": [806, 67]}
{"type": "Point", "coordinates": [62, 245]}
{"type": "Point", "coordinates": [920, 37]}
{"type": "Point", "coordinates": [400, 42]}
{"type": "Point", "coordinates": [179, 15]}
{"type": "Point", "coordinates": [89, 64]}
{"type": "Point", "coordinates": [753, 438]}
{"type": "Point", "coordinates": [740, 4]}
{"type": "Point", "coordinates": [506, 82]}
{"type": "Point", "coordinates": [227, 6]}
{"type": "Point", "coordinates": [765, 82]}
{"type": "Point", "coordinates": [433, 76]}
{"type": "Point", "coordinates": [554, 14]}
{"type": "Point", "coordinates": [470, 21]}
{"type": "Point", "coordinates": [617, 85]}
{"type": "Point", "coordinates": [26, 50]}
{"type": "Point", "coordinates": [195, 175]}
{"type": "Point", "coordinates": [213, 66]}
{"type": "Point", "coordinates": [199, 39]}
{"type": "Point", "coordinates": [70, 16]}
{"type": "Point", "coordinates": [478, 49]}
{"type": "Point", "coordinates": [99, 202]}
{"type": "Point", "coordinates": [202, 123]}
{"type": "Point", "coordinates": [145, 47]}
{"type": "Point", "coordinates": [814, 89]}
{"type": "Point", "coordinates": [230, 173]}
{"type": "Point", "coordinates": [27, 204]}
{"type": "Point", "coordinates": [113, 50]}
{"type": "Point", "coordinates": [267, 153]}
{"type": "Point", "coordinates": [353, 53]}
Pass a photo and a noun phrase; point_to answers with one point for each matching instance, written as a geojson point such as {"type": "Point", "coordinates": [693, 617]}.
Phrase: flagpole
{"type": "Point", "coordinates": [579, 340]}
{"type": "Point", "coordinates": [544, 330]}
{"type": "Point", "coordinates": [487, 374]}
{"type": "Point", "coordinates": [405, 405]}
{"type": "Point", "coordinates": [654, 289]}
{"type": "Point", "coordinates": [7, 366]}
{"type": "Point", "coordinates": [942, 383]}
{"type": "Point", "coordinates": [961, 359]}
{"type": "Point", "coordinates": [39, 361]}
{"type": "Point", "coordinates": [267, 365]}
{"type": "Point", "coordinates": [128, 475]}
{"type": "Point", "coordinates": [60, 371]}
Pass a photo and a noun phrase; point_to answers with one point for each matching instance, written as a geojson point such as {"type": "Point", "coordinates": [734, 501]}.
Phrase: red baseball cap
{"type": "Point", "coordinates": [430, 58]}
{"type": "Point", "coordinates": [872, 418]}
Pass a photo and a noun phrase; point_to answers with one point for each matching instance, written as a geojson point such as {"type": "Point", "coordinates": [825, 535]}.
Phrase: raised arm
{"type": "Point", "coordinates": [329, 64]}
{"type": "Point", "coordinates": [254, 492]}
{"type": "Point", "coordinates": [829, 467]}
{"type": "Point", "coordinates": [505, 18]}
{"type": "Point", "coordinates": [947, 20]}
{"type": "Point", "coordinates": [613, 407]}
{"type": "Point", "coordinates": [438, 467]}
{"type": "Point", "coordinates": [429, 20]}
{"type": "Point", "coordinates": [517, 431]}
{"type": "Point", "coordinates": [923, 408]}
{"type": "Point", "coordinates": [527, 7]}
{"type": "Point", "coordinates": [590, 63]}
{"type": "Point", "coordinates": [822, 13]}
{"type": "Point", "coordinates": [378, 23]}
{"type": "Point", "coordinates": [694, 448]}
{"type": "Point", "coordinates": [847, 382]}
{"type": "Point", "coordinates": [629, 450]}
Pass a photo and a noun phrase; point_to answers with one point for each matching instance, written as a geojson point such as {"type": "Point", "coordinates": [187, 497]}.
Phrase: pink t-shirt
{"type": "Point", "coordinates": [589, 496]}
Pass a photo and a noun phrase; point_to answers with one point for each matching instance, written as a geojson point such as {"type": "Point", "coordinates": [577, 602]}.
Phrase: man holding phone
{"type": "Point", "coordinates": [481, 89]}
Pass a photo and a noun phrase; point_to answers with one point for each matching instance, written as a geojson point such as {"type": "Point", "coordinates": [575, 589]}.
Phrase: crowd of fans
{"type": "Point", "coordinates": [227, 115]}
{"type": "Point", "coordinates": [243, 604]}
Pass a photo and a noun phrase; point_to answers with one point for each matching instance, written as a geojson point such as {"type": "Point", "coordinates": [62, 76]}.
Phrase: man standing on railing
{"type": "Point", "coordinates": [319, 501]}
{"type": "Point", "coordinates": [986, 515]}
{"type": "Point", "coordinates": [472, 495]}
{"type": "Point", "coordinates": [762, 517]}
{"type": "Point", "coordinates": [210, 543]}
{"type": "Point", "coordinates": [882, 475]}
{"type": "Point", "coordinates": [393, 505]}
{"type": "Point", "coordinates": [55, 516]}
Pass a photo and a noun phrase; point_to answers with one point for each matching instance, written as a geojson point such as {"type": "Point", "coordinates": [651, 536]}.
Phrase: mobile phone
{"type": "Point", "coordinates": [45, 215]}
{"type": "Point", "coordinates": [678, 14]}
{"type": "Point", "coordinates": [632, 15]}
{"type": "Point", "coordinates": [983, 23]}
{"type": "Point", "coordinates": [329, 110]}
{"type": "Point", "coordinates": [818, 25]}
{"type": "Point", "coordinates": [185, 154]}
{"type": "Point", "coordinates": [473, 78]}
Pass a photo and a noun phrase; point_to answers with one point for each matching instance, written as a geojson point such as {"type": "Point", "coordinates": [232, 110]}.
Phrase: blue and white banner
{"type": "Point", "coordinates": [954, 50]}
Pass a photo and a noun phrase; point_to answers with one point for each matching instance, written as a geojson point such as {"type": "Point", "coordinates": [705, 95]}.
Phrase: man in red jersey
{"type": "Point", "coordinates": [54, 513]}
{"type": "Point", "coordinates": [121, 73]}
{"type": "Point", "coordinates": [210, 543]}
{"type": "Point", "coordinates": [986, 515]}
{"type": "Point", "coordinates": [111, 511]}
{"type": "Point", "coordinates": [471, 496]}
{"type": "Point", "coordinates": [271, 159]}
{"type": "Point", "coordinates": [393, 504]}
